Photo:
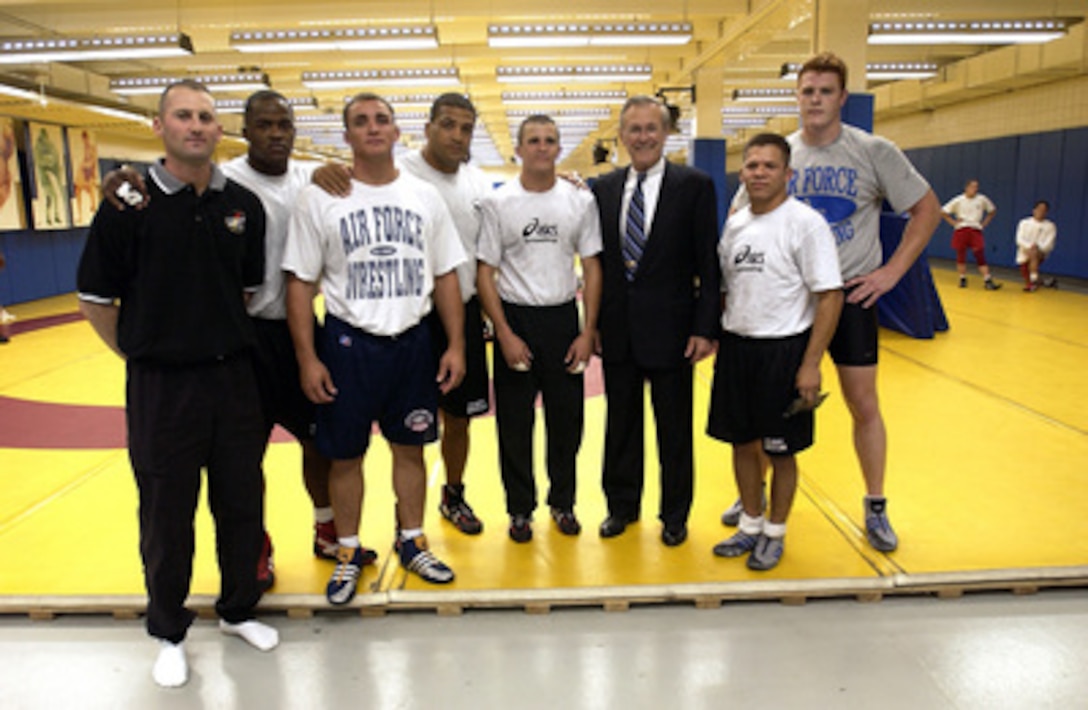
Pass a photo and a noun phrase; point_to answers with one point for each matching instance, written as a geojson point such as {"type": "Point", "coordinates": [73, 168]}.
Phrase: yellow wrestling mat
{"type": "Point", "coordinates": [987, 427]}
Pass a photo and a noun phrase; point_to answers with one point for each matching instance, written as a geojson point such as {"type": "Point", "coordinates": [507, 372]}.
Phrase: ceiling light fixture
{"type": "Point", "coordinates": [579, 35]}
{"type": "Point", "coordinates": [760, 110]}
{"type": "Point", "coordinates": [552, 98]}
{"type": "Point", "coordinates": [968, 32]}
{"type": "Point", "coordinates": [299, 103]}
{"type": "Point", "coordinates": [88, 49]}
{"type": "Point", "coordinates": [215, 82]}
{"type": "Point", "coordinates": [881, 71]}
{"type": "Point", "coordinates": [342, 38]}
{"type": "Point", "coordinates": [562, 115]}
{"type": "Point", "coordinates": [764, 95]}
{"type": "Point", "coordinates": [436, 76]}
{"type": "Point", "coordinates": [601, 73]}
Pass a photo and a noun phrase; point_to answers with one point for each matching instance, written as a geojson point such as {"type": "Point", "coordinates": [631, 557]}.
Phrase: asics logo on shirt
{"type": "Point", "coordinates": [534, 231]}
{"type": "Point", "coordinates": [744, 259]}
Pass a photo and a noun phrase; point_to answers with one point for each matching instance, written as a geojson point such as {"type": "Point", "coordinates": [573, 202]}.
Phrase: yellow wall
{"type": "Point", "coordinates": [1050, 107]}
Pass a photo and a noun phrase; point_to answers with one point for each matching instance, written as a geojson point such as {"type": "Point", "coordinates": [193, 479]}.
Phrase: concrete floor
{"type": "Point", "coordinates": [990, 651]}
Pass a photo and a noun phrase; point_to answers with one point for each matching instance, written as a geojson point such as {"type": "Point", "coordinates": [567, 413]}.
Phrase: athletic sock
{"type": "Point", "coordinates": [750, 525]}
{"type": "Point", "coordinates": [352, 541]}
{"type": "Point", "coordinates": [260, 636]}
{"type": "Point", "coordinates": [777, 530]}
{"type": "Point", "coordinates": [411, 533]}
{"type": "Point", "coordinates": [323, 515]}
{"type": "Point", "coordinates": [171, 669]}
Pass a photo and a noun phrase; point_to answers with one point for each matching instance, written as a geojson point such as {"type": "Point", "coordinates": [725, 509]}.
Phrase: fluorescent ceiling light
{"type": "Point", "coordinates": [760, 110]}
{"type": "Point", "coordinates": [744, 122]}
{"type": "Point", "coordinates": [581, 35]}
{"type": "Point", "coordinates": [18, 93]}
{"type": "Point", "coordinates": [563, 115]}
{"type": "Point", "coordinates": [342, 38]}
{"type": "Point", "coordinates": [900, 70]}
{"type": "Point", "coordinates": [437, 76]}
{"type": "Point", "coordinates": [764, 95]}
{"type": "Point", "coordinates": [215, 82]}
{"type": "Point", "coordinates": [880, 71]}
{"type": "Point", "coordinates": [603, 73]}
{"type": "Point", "coordinates": [552, 98]}
{"type": "Point", "coordinates": [299, 103]}
{"type": "Point", "coordinates": [24, 50]}
{"type": "Point", "coordinates": [968, 32]}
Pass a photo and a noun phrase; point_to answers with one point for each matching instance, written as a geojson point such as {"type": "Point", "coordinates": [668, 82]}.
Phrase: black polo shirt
{"type": "Point", "coordinates": [179, 268]}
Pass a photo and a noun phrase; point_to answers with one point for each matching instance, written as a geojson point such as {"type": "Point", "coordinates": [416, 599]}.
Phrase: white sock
{"type": "Point", "coordinates": [774, 529]}
{"type": "Point", "coordinates": [171, 670]}
{"type": "Point", "coordinates": [1034, 277]}
{"type": "Point", "coordinates": [323, 515]}
{"type": "Point", "coordinates": [410, 533]}
{"type": "Point", "coordinates": [352, 541]}
{"type": "Point", "coordinates": [750, 525]}
{"type": "Point", "coordinates": [260, 636]}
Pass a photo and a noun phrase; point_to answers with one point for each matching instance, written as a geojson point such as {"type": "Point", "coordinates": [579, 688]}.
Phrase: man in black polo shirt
{"type": "Point", "coordinates": [165, 288]}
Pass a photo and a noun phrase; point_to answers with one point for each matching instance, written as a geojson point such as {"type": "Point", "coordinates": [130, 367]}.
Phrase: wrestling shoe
{"type": "Point", "coordinates": [768, 551]}
{"type": "Point", "coordinates": [454, 509]}
{"type": "Point", "coordinates": [325, 542]}
{"type": "Point", "coordinates": [877, 526]}
{"type": "Point", "coordinates": [345, 578]}
{"type": "Point", "coordinates": [565, 520]}
{"type": "Point", "coordinates": [731, 516]}
{"type": "Point", "coordinates": [266, 567]}
{"type": "Point", "coordinates": [1032, 287]}
{"type": "Point", "coordinates": [963, 282]}
{"type": "Point", "coordinates": [521, 529]}
{"type": "Point", "coordinates": [415, 557]}
{"type": "Point", "coordinates": [739, 544]}
{"type": "Point", "coordinates": [991, 285]}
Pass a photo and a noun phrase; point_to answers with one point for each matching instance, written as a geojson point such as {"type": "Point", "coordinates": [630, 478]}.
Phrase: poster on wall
{"type": "Point", "coordinates": [49, 195]}
{"type": "Point", "coordinates": [83, 150]}
{"type": "Point", "coordinates": [11, 184]}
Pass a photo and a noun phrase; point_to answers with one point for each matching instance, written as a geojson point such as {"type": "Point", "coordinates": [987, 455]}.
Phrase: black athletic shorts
{"type": "Point", "coordinates": [855, 339]}
{"type": "Point", "coordinates": [282, 399]}
{"type": "Point", "coordinates": [473, 396]}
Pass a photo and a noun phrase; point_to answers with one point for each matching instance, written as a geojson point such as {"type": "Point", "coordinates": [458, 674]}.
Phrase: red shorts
{"type": "Point", "coordinates": [967, 238]}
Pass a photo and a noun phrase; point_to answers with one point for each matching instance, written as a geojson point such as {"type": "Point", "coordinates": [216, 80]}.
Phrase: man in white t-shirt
{"type": "Point", "coordinates": [443, 162]}
{"type": "Point", "coordinates": [1035, 239]}
{"type": "Point", "coordinates": [783, 297]}
{"type": "Point", "coordinates": [969, 214]}
{"type": "Point", "coordinates": [380, 255]}
{"type": "Point", "coordinates": [531, 231]}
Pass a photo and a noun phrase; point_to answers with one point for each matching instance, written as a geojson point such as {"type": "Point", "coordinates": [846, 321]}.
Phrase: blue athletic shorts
{"type": "Point", "coordinates": [388, 380]}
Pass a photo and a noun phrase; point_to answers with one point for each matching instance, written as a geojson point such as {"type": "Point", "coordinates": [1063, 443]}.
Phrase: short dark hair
{"type": "Point", "coordinates": [452, 100]}
{"type": "Point", "coordinates": [537, 119]}
{"type": "Point", "coordinates": [191, 84]}
{"type": "Point", "coordinates": [365, 96]}
{"type": "Point", "coordinates": [1041, 202]}
{"type": "Point", "coordinates": [828, 62]}
{"type": "Point", "coordinates": [761, 139]}
{"type": "Point", "coordinates": [644, 100]}
{"type": "Point", "coordinates": [259, 97]}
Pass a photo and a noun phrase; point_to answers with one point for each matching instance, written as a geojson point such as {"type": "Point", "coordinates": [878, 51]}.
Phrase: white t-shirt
{"type": "Point", "coordinates": [376, 251]}
{"type": "Point", "coordinates": [772, 265]}
{"type": "Point", "coordinates": [532, 237]}
{"type": "Point", "coordinates": [461, 192]}
{"type": "Point", "coordinates": [1040, 233]}
{"type": "Point", "coordinates": [278, 194]}
{"type": "Point", "coordinates": [847, 182]}
{"type": "Point", "coordinates": [969, 211]}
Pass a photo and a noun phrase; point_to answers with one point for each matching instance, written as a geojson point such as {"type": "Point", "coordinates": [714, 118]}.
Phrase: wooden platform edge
{"type": "Point", "coordinates": [453, 602]}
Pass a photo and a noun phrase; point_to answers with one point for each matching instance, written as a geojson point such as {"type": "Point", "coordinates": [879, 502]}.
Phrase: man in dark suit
{"type": "Point", "coordinates": [659, 314]}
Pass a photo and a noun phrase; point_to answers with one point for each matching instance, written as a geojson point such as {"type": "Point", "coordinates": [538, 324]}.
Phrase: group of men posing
{"type": "Point", "coordinates": [207, 292]}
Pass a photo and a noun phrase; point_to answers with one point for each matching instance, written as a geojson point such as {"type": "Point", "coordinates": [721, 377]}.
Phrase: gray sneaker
{"type": "Point", "coordinates": [741, 543]}
{"type": "Point", "coordinates": [877, 526]}
{"type": "Point", "coordinates": [767, 553]}
{"type": "Point", "coordinates": [731, 516]}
